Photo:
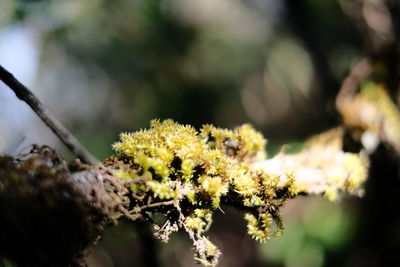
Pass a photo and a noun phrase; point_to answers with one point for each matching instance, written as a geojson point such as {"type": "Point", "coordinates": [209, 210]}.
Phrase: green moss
{"type": "Point", "coordinates": [125, 175]}
{"type": "Point", "coordinates": [198, 171]}
{"type": "Point", "coordinates": [387, 114]}
{"type": "Point", "coordinates": [259, 228]}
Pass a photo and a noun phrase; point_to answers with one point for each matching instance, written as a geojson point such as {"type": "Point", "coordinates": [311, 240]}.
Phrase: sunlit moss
{"type": "Point", "coordinates": [187, 169]}
{"type": "Point", "coordinates": [205, 163]}
{"type": "Point", "coordinates": [242, 182]}
{"type": "Point", "coordinates": [125, 175]}
{"type": "Point", "coordinates": [215, 187]}
{"type": "Point", "coordinates": [162, 190]}
{"type": "Point", "coordinates": [202, 169]}
{"type": "Point", "coordinates": [206, 252]}
{"type": "Point", "coordinates": [357, 170]}
{"type": "Point", "coordinates": [194, 223]}
{"type": "Point", "coordinates": [200, 220]}
{"type": "Point", "coordinates": [259, 228]}
{"type": "Point", "coordinates": [253, 141]}
{"type": "Point", "coordinates": [331, 193]}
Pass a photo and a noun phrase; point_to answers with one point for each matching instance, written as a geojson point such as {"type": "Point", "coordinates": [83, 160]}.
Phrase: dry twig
{"type": "Point", "coordinates": [47, 117]}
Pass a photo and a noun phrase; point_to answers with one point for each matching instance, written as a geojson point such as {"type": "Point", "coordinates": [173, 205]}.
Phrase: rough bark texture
{"type": "Point", "coordinates": [50, 213]}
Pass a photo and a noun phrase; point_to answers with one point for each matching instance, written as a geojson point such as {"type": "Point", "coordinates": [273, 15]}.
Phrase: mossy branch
{"type": "Point", "coordinates": [182, 174]}
{"type": "Point", "coordinates": [170, 170]}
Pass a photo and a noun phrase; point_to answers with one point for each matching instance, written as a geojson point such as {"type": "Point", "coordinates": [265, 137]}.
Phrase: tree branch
{"type": "Point", "coordinates": [358, 73]}
{"type": "Point", "coordinates": [47, 117]}
{"type": "Point", "coordinates": [170, 176]}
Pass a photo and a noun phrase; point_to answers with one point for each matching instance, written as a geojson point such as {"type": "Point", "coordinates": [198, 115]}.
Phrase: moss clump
{"type": "Point", "coordinates": [194, 172]}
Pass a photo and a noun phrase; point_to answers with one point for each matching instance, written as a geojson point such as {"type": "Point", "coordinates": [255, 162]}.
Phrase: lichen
{"type": "Point", "coordinates": [321, 167]}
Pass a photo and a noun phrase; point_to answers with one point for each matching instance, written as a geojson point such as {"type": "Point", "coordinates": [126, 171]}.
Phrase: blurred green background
{"type": "Point", "coordinates": [104, 67]}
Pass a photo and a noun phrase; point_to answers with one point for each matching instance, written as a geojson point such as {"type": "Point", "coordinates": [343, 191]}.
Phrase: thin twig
{"type": "Point", "coordinates": [158, 204]}
{"type": "Point", "coordinates": [47, 117]}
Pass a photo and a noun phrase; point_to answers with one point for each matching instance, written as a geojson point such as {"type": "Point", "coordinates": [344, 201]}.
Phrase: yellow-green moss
{"type": "Point", "coordinates": [387, 117]}
{"type": "Point", "coordinates": [259, 228]}
{"type": "Point", "coordinates": [356, 166]}
{"type": "Point", "coordinates": [200, 169]}
{"type": "Point", "coordinates": [196, 171]}
{"type": "Point", "coordinates": [210, 161]}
